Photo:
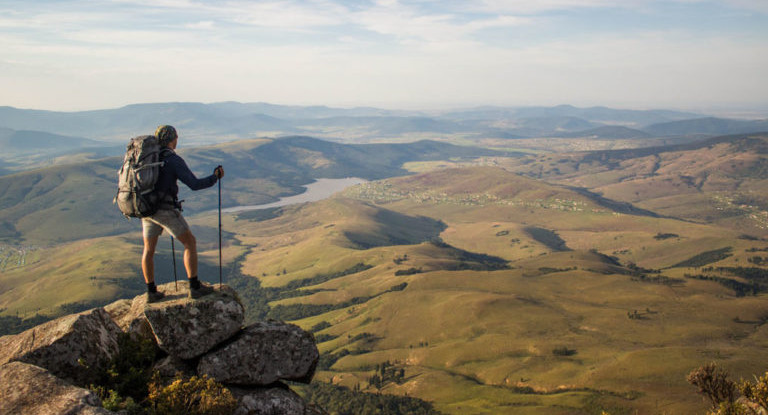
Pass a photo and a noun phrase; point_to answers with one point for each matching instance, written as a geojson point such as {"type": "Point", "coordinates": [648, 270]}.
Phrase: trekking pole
{"type": "Point", "coordinates": [173, 255]}
{"type": "Point", "coordinates": [220, 279]}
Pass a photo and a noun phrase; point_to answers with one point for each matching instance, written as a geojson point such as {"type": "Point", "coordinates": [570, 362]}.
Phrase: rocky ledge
{"type": "Point", "coordinates": [54, 361]}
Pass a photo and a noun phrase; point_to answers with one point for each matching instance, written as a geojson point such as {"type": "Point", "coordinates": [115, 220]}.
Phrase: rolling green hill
{"type": "Point", "coordinates": [721, 180]}
{"type": "Point", "coordinates": [48, 216]}
{"type": "Point", "coordinates": [494, 317]}
{"type": "Point", "coordinates": [71, 202]}
{"type": "Point", "coordinates": [583, 283]}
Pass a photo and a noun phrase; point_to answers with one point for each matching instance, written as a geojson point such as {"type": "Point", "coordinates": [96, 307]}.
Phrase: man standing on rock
{"type": "Point", "coordinates": [169, 216]}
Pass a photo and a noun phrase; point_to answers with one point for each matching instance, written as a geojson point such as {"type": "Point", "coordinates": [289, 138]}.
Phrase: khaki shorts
{"type": "Point", "coordinates": [168, 219]}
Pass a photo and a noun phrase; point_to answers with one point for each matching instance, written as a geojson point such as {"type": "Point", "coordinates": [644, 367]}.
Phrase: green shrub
{"type": "Point", "coordinates": [723, 393]}
{"type": "Point", "coordinates": [193, 396]}
{"type": "Point", "coordinates": [130, 370]}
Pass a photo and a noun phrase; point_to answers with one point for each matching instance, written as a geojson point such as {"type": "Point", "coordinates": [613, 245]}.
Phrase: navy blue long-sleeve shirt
{"type": "Point", "coordinates": [175, 168]}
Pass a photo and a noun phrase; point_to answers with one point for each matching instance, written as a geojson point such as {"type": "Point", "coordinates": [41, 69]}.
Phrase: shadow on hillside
{"type": "Point", "coordinates": [548, 238]}
{"type": "Point", "coordinates": [396, 229]}
{"type": "Point", "coordinates": [614, 205]}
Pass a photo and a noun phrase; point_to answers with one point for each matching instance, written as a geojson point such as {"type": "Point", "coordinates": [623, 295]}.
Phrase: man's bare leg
{"type": "Point", "coordinates": [148, 259]}
{"type": "Point", "coordinates": [196, 289]}
{"type": "Point", "coordinates": [148, 268]}
{"type": "Point", "coordinates": [190, 253]}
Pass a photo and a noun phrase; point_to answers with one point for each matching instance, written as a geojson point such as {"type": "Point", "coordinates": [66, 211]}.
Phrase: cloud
{"type": "Point", "coordinates": [409, 23]}
{"type": "Point", "coordinates": [526, 7]}
{"type": "Point", "coordinates": [391, 52]}
{"type": "Point", "coordinates": [206, 24]}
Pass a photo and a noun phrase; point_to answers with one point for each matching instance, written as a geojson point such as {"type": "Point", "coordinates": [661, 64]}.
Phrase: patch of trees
{"type": "Point", "coordinates": [15, 324]}
{"type": "Point", "coordinates": [366, 337]}
{"type": "Point", "coordinates": [321, 278]}
{"type": "Point", "coordinates": [757, 279]}
{"type": "Point", "coordinates": [409, 271]}
{"type": "Point", "coordinates": [758, 260]}
{"type": "Point", "coordinates": [465, 260]}
{"type": "Point", "coordinates": [253, 296]}
{"type": "Point", "coordinates": [658, 279]}
{"type": "Point", "coordinates": [739, 288]}
{"type": "Point", "coordinates": [386, 373]}
{"type": "Point", "coordinates": [640, 270]}
{"type": "Point", "coordinates": [563, 351]}
{"type": "Point", "coordinates": [746, 237]}
{"type": "Point", "coordinates": [638, 315]}
{"type": "Point", "coordinates": [400, 259]}
{"type": "Point", "coordinates": [551, 270]}
{"type": "Point", "coordinates": [329, 359]}
{"type": "Point", "coordinates": [758, 275]}
{"type": "Point", "coordinates": [76, 307]}
{"type": "Point", "coordinates": [256, 298]}
{"type": "Point", "coordinates": [322, 338]}
{"type": "Point", "coordinates": [344, 401]}
{"type": "Point", "coordinates": [398, 287]}
{"type": "Point", "coordinates": [608, 259]}
{"type": "Point", "coordinates": [320, 326]}
{"type": "Point", "coordinates": [662, 236]}
{"type": "Point", "coordinates": [298, 311]}
{"type": "Point", "coordinates": [705, 258]}
{"type": "Point", "coordinates": [260, 215]}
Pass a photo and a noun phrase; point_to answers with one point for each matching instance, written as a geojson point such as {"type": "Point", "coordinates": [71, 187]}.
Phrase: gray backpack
{"type": "Point", "coordinates": [136, 195]}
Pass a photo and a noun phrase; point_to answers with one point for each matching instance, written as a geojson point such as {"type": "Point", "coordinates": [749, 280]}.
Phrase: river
{"type": "Point", "coordinates": [318, 190]}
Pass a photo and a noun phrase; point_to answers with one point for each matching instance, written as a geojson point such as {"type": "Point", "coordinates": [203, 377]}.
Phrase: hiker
{"type": "Point", "coordinates": [169, 216]}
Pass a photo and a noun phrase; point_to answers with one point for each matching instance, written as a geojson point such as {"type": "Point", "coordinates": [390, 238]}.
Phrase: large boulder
{"type": "Point", "coordinates": [72, 347]}
{"type": "Point", "coordinates": [187, 328]}
{"type": "Point", "coordinates": [263, 353]}
{"type": "Point", "coordinates": [32, 390]}
{"type": "Point", "coordinates": [129, 316]}
{"type": "Point", "coordinates": [271, 401]}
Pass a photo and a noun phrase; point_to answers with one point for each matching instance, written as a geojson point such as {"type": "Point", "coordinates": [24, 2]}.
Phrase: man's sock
{"type": "Point", "coordinates": [194, 283]}
{"type": "Point", "coordinates": [151, 287]}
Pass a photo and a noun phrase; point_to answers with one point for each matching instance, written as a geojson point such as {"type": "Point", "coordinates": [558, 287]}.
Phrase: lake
{"type": "Point", "coordinates": [318, 190]}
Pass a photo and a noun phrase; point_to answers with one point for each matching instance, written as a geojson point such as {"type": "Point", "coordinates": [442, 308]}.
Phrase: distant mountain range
{"type": "Point", "coordinates": [33, 142]}
{"type": "Point", "coordinates": [219, 122]}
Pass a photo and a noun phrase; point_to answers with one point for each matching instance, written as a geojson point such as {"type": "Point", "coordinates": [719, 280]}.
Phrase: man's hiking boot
{"type": "Point", "coordinates": [155, 296]}
{"type": "Point", "coordinates": [199, 292]}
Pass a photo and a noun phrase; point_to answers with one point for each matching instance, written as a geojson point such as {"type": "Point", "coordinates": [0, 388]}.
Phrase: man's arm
{"type": "Point", "coordinates": [187, 177]}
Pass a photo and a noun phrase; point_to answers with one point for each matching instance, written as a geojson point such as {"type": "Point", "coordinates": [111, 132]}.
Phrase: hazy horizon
{"type": "Point", "coordinates": [691, 55]}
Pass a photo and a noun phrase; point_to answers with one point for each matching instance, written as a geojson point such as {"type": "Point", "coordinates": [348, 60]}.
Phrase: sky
{"type": "Point", "coordinates": [428, 54]}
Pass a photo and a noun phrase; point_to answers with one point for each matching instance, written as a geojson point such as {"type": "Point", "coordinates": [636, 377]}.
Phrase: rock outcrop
{"type": "Point", "coordinates": [72, 347]}
{"type": "Point", "coordinates": [31, 390]}
{"type": "Point", "coordinates": [201, 336]}
{"type": "Point", "coordinates": [263, 353]}
{"type": "Point", "coordinates": [188, 328]}
{"type": "Point", "coordinates": [129, 316]}
{"type": "Point", "coordinates": [271, 401]}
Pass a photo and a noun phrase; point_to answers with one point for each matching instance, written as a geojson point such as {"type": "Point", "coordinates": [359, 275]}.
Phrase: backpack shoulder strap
{"type": "Point", "coordinates": [166, 152]}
